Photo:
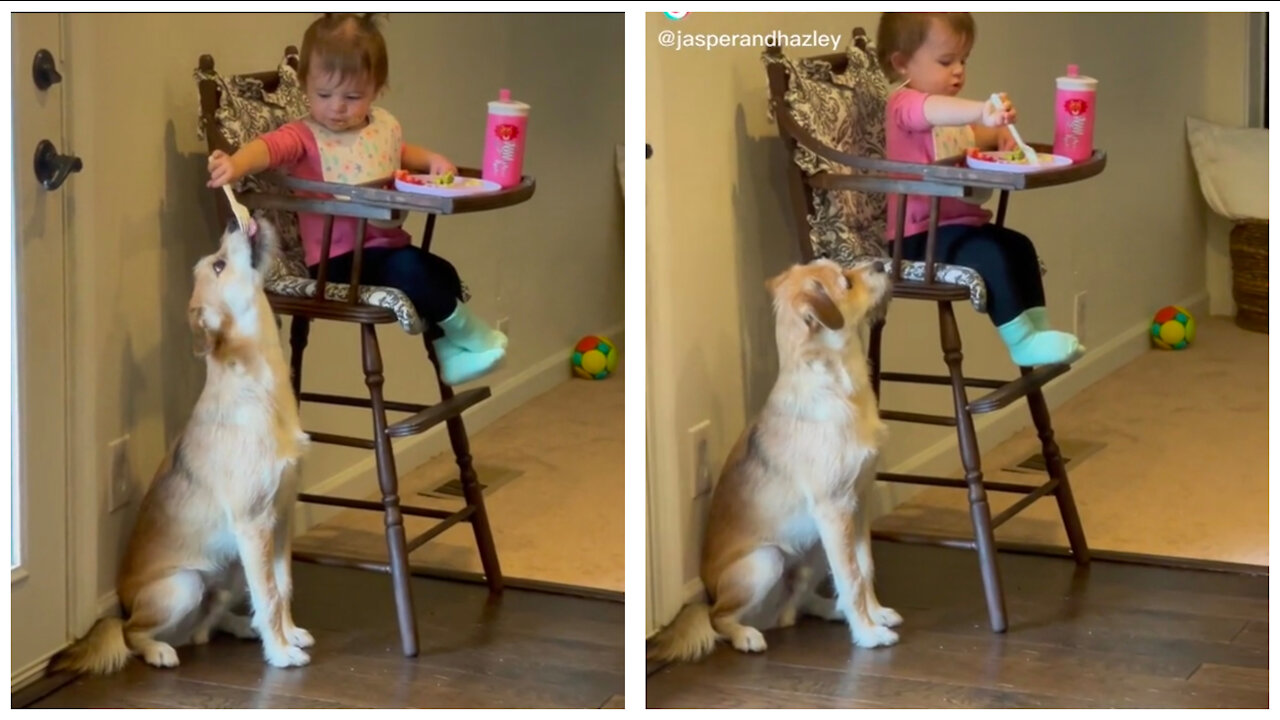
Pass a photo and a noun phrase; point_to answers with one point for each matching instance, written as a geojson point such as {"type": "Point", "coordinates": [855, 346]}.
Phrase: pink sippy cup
{"type": "Point", "coordinates": [504, 137]}
{"type": "Point", "coordinates": [1074, 109]}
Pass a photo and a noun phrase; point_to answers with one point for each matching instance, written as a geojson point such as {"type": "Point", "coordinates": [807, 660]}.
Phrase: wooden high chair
{"type": "Point", "coordinates": [234, 110]}
{"type": "Point", "coordinates": [830, 114]}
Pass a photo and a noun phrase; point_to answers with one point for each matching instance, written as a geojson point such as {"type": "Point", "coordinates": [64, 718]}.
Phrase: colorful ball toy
{"type": "Point", "coordinates": [1173, 328]}
{"type": "Point", "coordinates": [594, 358]}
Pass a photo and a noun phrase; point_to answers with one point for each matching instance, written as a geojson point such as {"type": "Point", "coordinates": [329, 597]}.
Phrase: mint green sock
{"type": "Point", "coordinates": [459, 365]}
{"type": "Point", "coordinates": [469, 332]}
{"type": "Point", "coordinates": [1039, 317]}
{"type": "Point", "coordinates": [1029, 346]}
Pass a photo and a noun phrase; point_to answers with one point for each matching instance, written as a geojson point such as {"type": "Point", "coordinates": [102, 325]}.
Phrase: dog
{"type": "Point", "coordinates": [216, 520]}
{"type": "Point", "coordinates": [790, 501]}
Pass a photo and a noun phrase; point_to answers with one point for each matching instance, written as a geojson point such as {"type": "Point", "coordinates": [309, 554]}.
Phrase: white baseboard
{"type": "Point", "coordinates": [943, 457]}
{"type": "Point", "coordinates": [360, 479]}
{"type": "Point", "coordinates": [29, 674]}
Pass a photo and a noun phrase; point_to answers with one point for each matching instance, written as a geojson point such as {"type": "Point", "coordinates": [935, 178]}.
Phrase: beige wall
{"type": "Point", "coordinates": [141, 216]}
{"type": "Point", "coordinates": [1133, 238]}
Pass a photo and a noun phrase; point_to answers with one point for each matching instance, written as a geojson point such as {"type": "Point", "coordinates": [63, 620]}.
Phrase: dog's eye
{"type": "Point", "coordinates": [219, 266]}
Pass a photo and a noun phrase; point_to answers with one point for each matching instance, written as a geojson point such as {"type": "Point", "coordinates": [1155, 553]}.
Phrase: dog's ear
{"type": "Point", "coordinates": [822, 309]}
{"type": "Point", "coordinates": [201, 338]}
{"type": "Point", "coordinates": [771, 285]}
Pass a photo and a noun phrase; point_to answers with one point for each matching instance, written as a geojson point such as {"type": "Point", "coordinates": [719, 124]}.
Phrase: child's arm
{"type": "Point", "coordinates": [283, 146]}
{"type": "Point", "coordinates": [421, 160]}
{"type": "Point", "coordinates": [946, 110]}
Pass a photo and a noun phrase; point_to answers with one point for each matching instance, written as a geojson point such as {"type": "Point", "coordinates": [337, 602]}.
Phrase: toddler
{"type": "Point", "coordinates": [347, 139]}
{"type": "Point", "coordinates": [925, 119]}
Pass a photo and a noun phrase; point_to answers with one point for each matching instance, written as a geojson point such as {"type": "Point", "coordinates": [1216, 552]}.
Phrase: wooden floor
{"type": "Point", "coordinates": [1108, 635]}
{"type": "Point", "coordinates": [527, 649]}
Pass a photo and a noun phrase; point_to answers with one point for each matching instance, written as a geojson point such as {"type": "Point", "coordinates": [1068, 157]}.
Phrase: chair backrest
{"type": "Point", "coordinates": [235, 109]}
{"type": "Point", "coordinates": [839, 99]}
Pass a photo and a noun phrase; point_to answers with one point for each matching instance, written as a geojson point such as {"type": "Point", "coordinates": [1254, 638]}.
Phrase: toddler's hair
{"type": "Point", "coordinates": [906, 32]}
{"type": "Point", "coordinates": [345, 43]}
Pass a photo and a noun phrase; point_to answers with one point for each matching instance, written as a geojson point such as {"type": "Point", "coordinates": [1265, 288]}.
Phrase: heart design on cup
{"type": "Point", "coordinates": [506, 132]}
{"type": "Point", "coordinates": [1076, 106]}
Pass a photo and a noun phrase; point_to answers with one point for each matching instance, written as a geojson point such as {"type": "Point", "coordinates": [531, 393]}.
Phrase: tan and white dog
{"type": "Point", "coordinates": [790, 502]}
{"type": "Point", "coordinates": [217, 516]}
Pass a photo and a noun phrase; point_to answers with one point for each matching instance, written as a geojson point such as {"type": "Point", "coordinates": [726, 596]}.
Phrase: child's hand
{"type": "Point", "coordinates": [1005, 141]}
{"type": "Point", "coordinates": [440, 165]}
{"type": "Point", "coordinates": [993, 116]}
{"type": "Point", "coordinates": [221, 169]}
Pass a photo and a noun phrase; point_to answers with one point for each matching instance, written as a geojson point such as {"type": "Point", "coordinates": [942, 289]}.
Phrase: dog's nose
{"type": "Point", "coordinates": [877, 266]}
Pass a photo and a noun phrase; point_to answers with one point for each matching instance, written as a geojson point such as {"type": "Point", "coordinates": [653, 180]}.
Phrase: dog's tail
{"type": "Point", "coordinates": [689, 637]}
{"type": "Point", "coordinates": [102, 652]}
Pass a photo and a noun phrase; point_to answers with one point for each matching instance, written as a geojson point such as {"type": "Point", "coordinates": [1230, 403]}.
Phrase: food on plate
{"type": "Point", "coordinates": [1013, 157]}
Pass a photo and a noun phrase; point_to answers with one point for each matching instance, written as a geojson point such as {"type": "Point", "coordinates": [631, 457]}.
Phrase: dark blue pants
{"type": "Point", "coordinates": [430, 281]}
{"type": "Point", "coordinates": [1006, 259]}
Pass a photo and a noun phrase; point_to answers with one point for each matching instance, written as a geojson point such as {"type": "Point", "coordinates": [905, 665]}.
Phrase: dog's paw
{"type": "Point", "coordinates": [888, 617]}
{"type": "Point", "coordinates": [159, 654]}
{"type": "Point", "coordinates": [299, 637]}
{"type": "Point", "coordinates": [200, 637]}
{"type": "Point", "coordinates": [825, 608]}
{"type": "Point", "coordinates": [787, 617]}
{"type": "Point", "coordinates": [239, 626]}
{"type": "Point", "coordinates": [287, 656]}
{"type": "Point", "coordinates": [874, 636]}
{"type": "Point", "coordinates": [749, 639]}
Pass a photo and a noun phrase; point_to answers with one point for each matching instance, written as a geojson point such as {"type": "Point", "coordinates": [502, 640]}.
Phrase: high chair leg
{"type": "Point", "coordinates": [979, 508]}
{"type": "Point", "coordinates": [873, 355]}
{"type": "Point", "coordinates": [299, 330]}
{"type": "Point", "coordinates": [470, 485]}
{"type": "Point", "coordinates": [389, 483]}
{"type": "Point", "coordinates": [1058, 471]}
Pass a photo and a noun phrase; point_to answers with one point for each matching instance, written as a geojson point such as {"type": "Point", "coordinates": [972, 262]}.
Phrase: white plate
{"type": "Point", "coordinates": [1001, 164]}
{"type": "Point", "coordinates": [461, 186]}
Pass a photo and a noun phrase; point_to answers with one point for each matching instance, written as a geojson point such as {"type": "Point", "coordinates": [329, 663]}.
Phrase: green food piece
{"type": "Point", "coordinates": [445, 179]}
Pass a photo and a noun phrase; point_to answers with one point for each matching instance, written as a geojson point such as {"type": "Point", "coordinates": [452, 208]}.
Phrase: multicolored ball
{"type": "Point", "coordinates": [1173, 328]}
{"type": "Point", "coordinates": [594, 358]}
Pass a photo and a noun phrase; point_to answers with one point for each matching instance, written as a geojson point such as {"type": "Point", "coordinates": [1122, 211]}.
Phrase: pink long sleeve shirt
{"type": "Point", "coordinates": [910, 138]}
{"type": "Point", "coordinates": [306, 150]}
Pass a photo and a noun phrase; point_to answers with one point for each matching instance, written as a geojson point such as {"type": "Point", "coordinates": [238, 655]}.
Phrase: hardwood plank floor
{"type": "Point", "coordinates": [1106, 635]}
{"type": "Point", "coordinates": [526, 649]}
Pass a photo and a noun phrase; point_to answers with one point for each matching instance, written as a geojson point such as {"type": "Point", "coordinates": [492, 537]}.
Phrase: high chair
{"type": "Point", "coordinates": [830, 114]}
{"type": "Point", "coordinates": [235, 109]}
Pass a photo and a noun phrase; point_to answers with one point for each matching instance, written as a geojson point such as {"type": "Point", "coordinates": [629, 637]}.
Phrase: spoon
{"type": "Point", "coordinates": [1026, 149]}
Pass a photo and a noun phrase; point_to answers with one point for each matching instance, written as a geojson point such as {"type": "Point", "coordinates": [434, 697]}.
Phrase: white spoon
{"type": "Point", "coordinates": [1026, 149]}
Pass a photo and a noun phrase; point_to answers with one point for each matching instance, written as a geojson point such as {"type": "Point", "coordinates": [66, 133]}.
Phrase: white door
{"type": "Point", "coordinates": [36, 332]}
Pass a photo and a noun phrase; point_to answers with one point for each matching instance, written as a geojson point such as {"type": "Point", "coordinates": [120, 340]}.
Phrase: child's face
{"type": "Point", "coordinates": [339, 105]}
{"type": "Point", "coordinates": [937, 67]}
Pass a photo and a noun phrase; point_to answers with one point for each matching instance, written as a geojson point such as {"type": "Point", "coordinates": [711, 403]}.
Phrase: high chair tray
{"type": "Point", "coordinates": [957, 168]}
{"type": "Point", "coordinates": [380, 194]}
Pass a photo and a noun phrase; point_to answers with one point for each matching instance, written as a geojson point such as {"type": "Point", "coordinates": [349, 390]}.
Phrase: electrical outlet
{"type": "Point", "coordinates": [700, 454]}
{"type": "Point", "coordinates": [119, 482]}
{"type": "Point", "coordinates": [1079, 317]}
{"type": "Point", "coordinates": [502, 325]}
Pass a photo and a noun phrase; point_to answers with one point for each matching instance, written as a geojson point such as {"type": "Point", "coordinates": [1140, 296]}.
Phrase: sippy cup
{"type": "Point", "coordinates": [1074, 108]}
{"type": "Point", "coordinates": [504, 137]}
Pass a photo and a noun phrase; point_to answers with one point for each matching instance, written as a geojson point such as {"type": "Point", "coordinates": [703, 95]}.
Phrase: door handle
{"type": "Point", "coordinates": [44, 70]}
{"type": "Point", "coordinates": [52, 168]}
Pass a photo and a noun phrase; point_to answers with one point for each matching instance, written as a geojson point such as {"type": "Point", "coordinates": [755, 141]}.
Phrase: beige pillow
{"type": "Point", "coordinates": [1232, 165]}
